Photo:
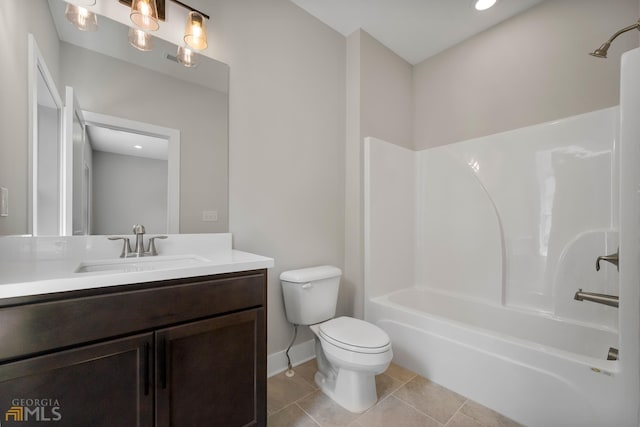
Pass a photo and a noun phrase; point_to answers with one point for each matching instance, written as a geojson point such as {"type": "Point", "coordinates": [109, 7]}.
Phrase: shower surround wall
{"type": "Point", "coordinates": [516, 219]}
{"type": "Point", "coordinates": [519, 218]}
{"type": "Point", "coordinates": [473, 252]}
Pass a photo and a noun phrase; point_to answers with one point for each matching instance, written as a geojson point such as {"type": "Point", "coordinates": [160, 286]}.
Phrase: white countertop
{"type": "Point", "coordinates": [43, 265]}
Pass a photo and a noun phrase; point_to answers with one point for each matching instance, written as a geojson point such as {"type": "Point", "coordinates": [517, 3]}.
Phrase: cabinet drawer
{"type": "Point", "coordinates": [40, 327]}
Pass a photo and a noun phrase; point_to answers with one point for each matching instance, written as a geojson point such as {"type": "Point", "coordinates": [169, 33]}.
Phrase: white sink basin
{"type": "Point", "coordinates": [133, 264]}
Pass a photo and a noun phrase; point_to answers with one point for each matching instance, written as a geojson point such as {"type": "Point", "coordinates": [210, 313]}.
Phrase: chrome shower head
{"type": "Point", "coordinates": [601, 52]}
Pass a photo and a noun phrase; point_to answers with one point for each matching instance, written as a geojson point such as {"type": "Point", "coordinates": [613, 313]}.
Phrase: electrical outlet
{"type": "Point", "coordinates": [209, 216]}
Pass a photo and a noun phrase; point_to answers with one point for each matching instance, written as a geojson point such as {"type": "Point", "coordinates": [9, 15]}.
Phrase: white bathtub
{"type": "Point", "coordinates": [535, 369]}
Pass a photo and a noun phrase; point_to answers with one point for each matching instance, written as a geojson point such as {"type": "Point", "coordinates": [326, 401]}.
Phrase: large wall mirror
{"type": "Point", "coordinates": [145, 137]}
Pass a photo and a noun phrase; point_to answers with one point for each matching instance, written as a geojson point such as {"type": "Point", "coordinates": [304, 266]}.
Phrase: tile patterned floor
{"type": "Point", "coordinates": [404, 399]}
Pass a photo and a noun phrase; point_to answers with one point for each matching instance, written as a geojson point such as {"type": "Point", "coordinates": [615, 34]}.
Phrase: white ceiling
{"type": "Point", "coordinates": [413, 29]}
{"type": "Point", "coordinates": [121, 142]}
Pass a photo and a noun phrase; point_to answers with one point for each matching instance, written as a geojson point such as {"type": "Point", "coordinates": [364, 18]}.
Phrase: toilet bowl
{"type": "Point", "coordinates": [350, 352]}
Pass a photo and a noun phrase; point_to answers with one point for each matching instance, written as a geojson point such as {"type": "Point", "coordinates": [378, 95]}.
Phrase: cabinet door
{"type": "Point", "coordinates": [212, 372]}
{"type": "Point", "coordinates": [99, 385]}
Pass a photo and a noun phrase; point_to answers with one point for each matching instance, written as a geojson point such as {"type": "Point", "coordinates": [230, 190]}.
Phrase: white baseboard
{"type": "Point", "coordinates": [299, 353]}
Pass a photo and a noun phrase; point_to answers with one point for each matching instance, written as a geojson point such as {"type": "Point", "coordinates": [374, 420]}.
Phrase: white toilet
{"type": "Point", "coordinates": [350, 352]}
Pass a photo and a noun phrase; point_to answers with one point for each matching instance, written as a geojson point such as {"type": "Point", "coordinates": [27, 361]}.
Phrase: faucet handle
{"type": "Point", "coordinates": [126, 246]}
{"type": "Point", "coordinates": [152, 244]}
{"type": "Point", "coordinates": [612, 258]}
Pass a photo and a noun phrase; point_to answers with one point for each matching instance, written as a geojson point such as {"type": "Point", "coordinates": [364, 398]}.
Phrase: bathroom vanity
{"type": "Point", "coordinates": [181, 351]}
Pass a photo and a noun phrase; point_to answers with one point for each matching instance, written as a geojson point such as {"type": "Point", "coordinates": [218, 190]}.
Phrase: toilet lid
{"type": "Point", "coordinates": [355, 334]}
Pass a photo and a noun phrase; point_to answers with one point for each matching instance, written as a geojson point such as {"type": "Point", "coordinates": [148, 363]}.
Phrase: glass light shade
{"type": "Point", "coordinates": [81, 18]}
{"type": "Point", "coordinates": [144, 13]}
{"type": "Point", "coordinates": [195, 35]}
{"type": "Point", "coordinates": [187, 57]}
{"type": "Point", "coordinates": [140, 40]}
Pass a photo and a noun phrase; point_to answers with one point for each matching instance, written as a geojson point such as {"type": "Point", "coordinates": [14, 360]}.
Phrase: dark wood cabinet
{"type": "Point", "coordinates": [206, 372]}
{"type": "Point", "coordinates": [188, 352]}
{"type": "Point", "coordinates": [89, 386]}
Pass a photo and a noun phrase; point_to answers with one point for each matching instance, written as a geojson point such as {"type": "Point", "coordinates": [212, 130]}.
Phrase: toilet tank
{"type": "Point", "coordinates": [310, 294]}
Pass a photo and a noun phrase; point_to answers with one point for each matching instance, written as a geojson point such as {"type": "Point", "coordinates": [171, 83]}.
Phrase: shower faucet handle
{"type": "Point", "coordinates": [612, 258]}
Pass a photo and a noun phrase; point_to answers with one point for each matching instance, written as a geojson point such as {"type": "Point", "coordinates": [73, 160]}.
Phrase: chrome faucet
{"type": "Point", "coordinates": [138, 250]}
{"type": "Point", "coordinates": [139, 230]}
{"type": "Point", "coordinates": [612, 258]}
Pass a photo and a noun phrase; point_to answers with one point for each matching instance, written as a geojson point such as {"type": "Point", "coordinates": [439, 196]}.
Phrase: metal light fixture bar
{"type": "Point", "coordinates": [160, 4]}
{"type": "Point", "coordinates": [186, 6]}
{"type": "Point", "coordinates": [161, 8]}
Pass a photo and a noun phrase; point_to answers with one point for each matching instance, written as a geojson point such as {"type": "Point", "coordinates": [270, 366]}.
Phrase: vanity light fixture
{"type": "Point", "coordinates": [144, 13]}
{"type": "Point", "coordinates": [484, 4]}
{"type": "Point", "coordinates": [81, 18]}
{"type": "Point", "coordinates": [140, 39]}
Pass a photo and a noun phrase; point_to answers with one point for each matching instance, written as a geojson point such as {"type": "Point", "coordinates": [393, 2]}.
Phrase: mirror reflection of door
{"type": "Point", "coordinates": [45, 124]}
{"type": "Point", "coordinates": [77, 201]}
{"type": "Point", "coordinates": [48, 169]}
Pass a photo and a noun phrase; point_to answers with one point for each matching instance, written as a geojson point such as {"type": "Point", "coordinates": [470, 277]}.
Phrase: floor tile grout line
{"type": "Point", "coordinates": [295, 401]}
{"type": "Point", "coordinates": [307, 414]}
{"type": "Point", "coordinates": [393, 390]}
{"type": "Point", "coordinates": [282, 409]}
{"type": "Point", "coordinates": [457, 410]}
{"type": "Point", "coordinates": [398, 379]}
{"type": "Point", "coordinates": [419, 411]}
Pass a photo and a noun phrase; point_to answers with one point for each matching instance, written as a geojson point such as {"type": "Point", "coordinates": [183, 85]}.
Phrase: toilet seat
{"type": "Point", "coordinates": [354, 335]}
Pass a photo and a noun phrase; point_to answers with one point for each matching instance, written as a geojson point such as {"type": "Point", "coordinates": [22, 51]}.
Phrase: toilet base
{"type": "Point", "coordinates": [354, 391]}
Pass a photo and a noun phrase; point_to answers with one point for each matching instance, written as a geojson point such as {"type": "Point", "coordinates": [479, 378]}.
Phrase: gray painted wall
{"type": "Point", "coordinates": [126, 187]}
{"type": "Point", "coordinates": [19, 18]}
{"type": "Point", "coordinates": [529, 69]}
{"type": "Point", "coordinates": [287, 130]}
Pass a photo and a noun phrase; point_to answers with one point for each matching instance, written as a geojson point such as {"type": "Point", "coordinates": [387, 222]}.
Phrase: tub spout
{"type": "Point", "coordinates": [610, 300]}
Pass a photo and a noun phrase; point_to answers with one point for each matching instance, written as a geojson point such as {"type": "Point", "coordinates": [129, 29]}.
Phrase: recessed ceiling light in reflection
{"type": "Point", "coordinates": [484, 4]}
{"type": "Point", "coordinates": [138, 147]}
